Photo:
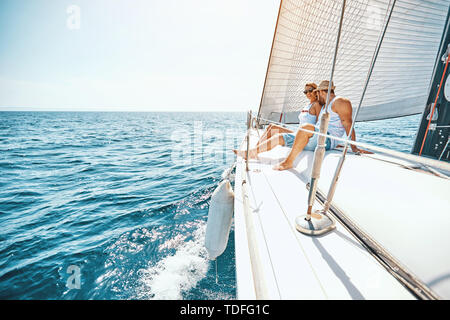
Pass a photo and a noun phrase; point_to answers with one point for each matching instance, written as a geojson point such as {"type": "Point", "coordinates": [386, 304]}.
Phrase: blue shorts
{"type": "Point", "coordinates": [312, 143]}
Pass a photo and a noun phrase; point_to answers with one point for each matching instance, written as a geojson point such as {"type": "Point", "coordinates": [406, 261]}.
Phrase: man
{"type": "Point", "coordinates": [340, 110]}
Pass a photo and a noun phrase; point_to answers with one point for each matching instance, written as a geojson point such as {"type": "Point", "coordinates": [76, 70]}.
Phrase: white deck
{"type": "Point", "coordinates": [335, 265]}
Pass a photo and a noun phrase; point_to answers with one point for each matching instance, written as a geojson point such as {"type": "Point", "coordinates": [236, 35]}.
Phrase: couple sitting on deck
{"type": "Point", "coordinates": [340, 110]}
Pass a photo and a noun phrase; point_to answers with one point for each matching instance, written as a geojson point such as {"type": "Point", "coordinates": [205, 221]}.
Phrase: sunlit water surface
{"type": "Point", "coordinates": [123, 199]}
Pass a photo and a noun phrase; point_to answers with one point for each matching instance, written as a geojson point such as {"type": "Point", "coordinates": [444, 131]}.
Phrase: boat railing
{"type": "Point", "coordinates": [313, 226]}
{"type": "Point", "coordinates": [445, 166]}
{"type": "Point", "coordinates": [416, 286]}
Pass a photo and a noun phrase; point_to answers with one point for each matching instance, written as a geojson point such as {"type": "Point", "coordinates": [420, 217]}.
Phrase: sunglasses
{"type": "Point", "coordinates": [307, 91]}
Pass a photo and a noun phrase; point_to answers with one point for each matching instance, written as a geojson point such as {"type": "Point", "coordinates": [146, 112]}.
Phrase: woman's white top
{"type": "Point", "coordinates": [305, 117]}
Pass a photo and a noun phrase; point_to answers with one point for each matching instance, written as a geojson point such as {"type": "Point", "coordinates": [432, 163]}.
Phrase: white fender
{"type": "Point", "coordinates": [220, 216]}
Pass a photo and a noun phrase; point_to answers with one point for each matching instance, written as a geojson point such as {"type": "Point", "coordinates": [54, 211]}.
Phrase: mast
{"type": "Point", "coordinates": [434, 142]}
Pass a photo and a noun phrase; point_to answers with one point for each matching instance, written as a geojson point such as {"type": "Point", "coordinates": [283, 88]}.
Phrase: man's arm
{"type": "Point", "coordinates": [315, 109]}
{"type": "Point", "coordinates": [343, 107]}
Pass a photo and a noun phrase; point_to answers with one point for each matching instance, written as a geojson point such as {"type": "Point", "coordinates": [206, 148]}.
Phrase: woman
{"type": "Point", "coordinates": [308, 115]}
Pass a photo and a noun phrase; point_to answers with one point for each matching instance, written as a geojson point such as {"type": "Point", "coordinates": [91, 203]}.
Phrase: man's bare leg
{"type": "Point", "coordinates": [263, 147]}
{"type": "Point", "coordinates": [301, 140]}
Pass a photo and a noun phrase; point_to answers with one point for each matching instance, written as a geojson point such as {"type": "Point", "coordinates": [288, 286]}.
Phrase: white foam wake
{"type": "Point", "coordinates": [177, 273]}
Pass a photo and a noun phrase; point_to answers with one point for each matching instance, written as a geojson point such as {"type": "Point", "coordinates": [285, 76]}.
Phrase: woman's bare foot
{"type": "Point", "coordinates": [285, 165]}
{"type": "Point", "coordinates": [252, 154]}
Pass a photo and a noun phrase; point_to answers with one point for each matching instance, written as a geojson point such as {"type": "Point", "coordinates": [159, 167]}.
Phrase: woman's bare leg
{"type": "Point", "coordinates": [267, 145]}
{"type": "Point", "coordinates": [271, 130]}
{"type": "Point", "coordinates": [265, 134]}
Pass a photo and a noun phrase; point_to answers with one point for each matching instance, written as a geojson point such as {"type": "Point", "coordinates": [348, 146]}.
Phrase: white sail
{"type": "Point", "coordinates": [303, 49]}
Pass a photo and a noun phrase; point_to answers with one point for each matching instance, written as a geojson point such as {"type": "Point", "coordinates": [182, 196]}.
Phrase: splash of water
{"type": "Point", "coordinates": [177, 273]}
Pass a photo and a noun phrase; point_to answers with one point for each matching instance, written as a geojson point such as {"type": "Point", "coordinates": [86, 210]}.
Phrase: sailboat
{"type": "Point", "coordinates": [382, 219]}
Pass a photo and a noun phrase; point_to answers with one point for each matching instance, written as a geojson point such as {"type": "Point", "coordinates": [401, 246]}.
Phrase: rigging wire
{"type": "Point", "coordinates": [319, 152]}
{"type": "Point", "coordinates": [301, 53]}
{"type": "Point", "coordinates": [270, 57]}
{"type": "Point", "coordinates": [337, 173]}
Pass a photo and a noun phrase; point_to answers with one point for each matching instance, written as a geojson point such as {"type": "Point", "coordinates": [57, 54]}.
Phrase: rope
{"type": "Point", "coordinates": [217, 275]}
{"type": "Point", "coordinates": [226, 174]}
{"type": "Point", "coordinates": [261, 225]}
{"type": "Point", "coordinates": [434, 105]}
{"type": "Point", "coordinates": [259, 281]}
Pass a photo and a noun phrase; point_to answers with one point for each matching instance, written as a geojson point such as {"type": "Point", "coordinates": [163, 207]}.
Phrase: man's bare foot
{"type": "Point", "coordinates": [283, 166]}
{"type": "Point", "coordinates": [252, 154]}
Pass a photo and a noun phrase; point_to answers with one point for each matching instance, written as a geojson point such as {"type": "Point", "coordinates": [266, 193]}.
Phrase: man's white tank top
{"type": "Point", "coordinates": [335, 127]}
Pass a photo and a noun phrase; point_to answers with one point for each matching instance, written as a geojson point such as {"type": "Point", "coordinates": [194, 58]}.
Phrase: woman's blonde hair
{"type": "Point", "coordinates": [311, 84]}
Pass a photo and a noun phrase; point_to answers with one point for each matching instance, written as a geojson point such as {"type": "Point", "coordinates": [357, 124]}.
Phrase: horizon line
{"type": "Point", "coordinates": [27, 109]}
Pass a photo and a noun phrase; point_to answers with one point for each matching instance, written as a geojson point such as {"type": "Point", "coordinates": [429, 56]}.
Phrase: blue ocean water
{"type": "Point", "coordinates": [114, 205]}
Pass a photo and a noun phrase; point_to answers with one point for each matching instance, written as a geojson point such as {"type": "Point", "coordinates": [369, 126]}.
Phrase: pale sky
{"type": "Point", "coordinates": [135, 55]}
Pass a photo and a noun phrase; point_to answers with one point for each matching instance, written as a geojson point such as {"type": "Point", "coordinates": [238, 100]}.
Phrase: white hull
{"type": "Point", "coordinates": [405, 211]}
